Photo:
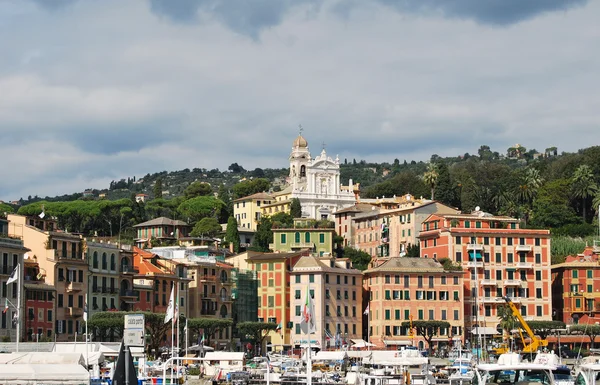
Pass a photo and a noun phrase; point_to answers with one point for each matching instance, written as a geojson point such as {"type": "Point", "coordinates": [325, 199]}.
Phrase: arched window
{"type": "Point", "coordinates": [223, 276]}
{"type": "Point", "coordinates": [307, 237]}
{"type": "Point", "coordinates": [223, 311]}
{"type": "Point", "coordinates": [297, 237]}
{"type": "Point", "coordinates": [95, 260]}
{"type": "Point", "coordinates": [223, 294]}
{"type": "Point", "coordinates": [104, 262]}
{"type": "Point", "coordinates": [302, 171]}
{"type": "Point", "coordinates": [113, 262]}
{"type": "Point", "coordinates": [124, 263]}
{"type": "Point", "coordinates": [164, 286]}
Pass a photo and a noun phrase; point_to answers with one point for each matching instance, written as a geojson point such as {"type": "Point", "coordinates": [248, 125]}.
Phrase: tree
{"type": "Point", "coordinates": [444, 188]}
{"type": "Point", "coordinates": [282, 220]}
{"type": "Point", "coordinates": [200, 207]}
{"type": "Point", "coordinates": [360, 259]}
{"type": "Point", "coordinates": [484, 152]}
{"type": "Point", "coordinates": [236, 168]}
{"type": "Point", "coordinates": [5, 208]}
{"type": "Point", "coordinates": [430, 177]}
{"type": "Point", "coordinates": [158, 187]}
{"type": "Point", "coordinates": [583, 185]}
{"type": "Point", "coordinates": [207, 227]}
{"type": "Point", "coordinates": [256, 331]}
{"type": "Point", "coordinates": [249, 187]}
{"type": "Point", "coordinates": [207, 327]}
{"type": "Point", "coordinates": [232, 235]}
{"type": "Point", "coordinates": [590, 330]}
{"type": "Point", "coordinates": [427, 329]}
{"type": "Point", "coordinates": [295, 208]}
{"type": "Point", "coordinates": [508, 321]}
{"type": "Point", "coordinates": [413, 251]}
{"type": "Point", "coordinates": [197, 189]}
{"type": "Point", "coordinates": [224, 196]}
{"type": "Point", "coordinates": [545, 328]}
{"type": "Point", "coordinates": [263, 235]}
{"type": "Point", "coordinates": [552, 208]}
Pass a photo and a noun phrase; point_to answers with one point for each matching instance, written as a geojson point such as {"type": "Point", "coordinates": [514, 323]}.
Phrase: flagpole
{"type": "Point", "coordinates": [87, 351]}
{"type": "Point", "coordinates": [18, 305]}
{"type": "Point", "coordinates": [308, 358]}
{"type": "Point", "coordinates": [177, 319]}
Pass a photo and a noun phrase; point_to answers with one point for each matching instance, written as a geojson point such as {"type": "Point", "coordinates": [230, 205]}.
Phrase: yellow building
{"type": "Point", "coordinates": [247, 210]}
{"type": "Point", "coordinates": [281, 202]}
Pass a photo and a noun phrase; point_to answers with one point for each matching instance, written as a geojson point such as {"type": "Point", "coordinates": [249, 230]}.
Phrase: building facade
{"type": "Point", "coordinates": [502, 260]}
{"type": "Point", "coordinates": [163, 229]}
{"type": "Point", "coordinates": [400, 289]}
{"type": "Point", "coordinates": [576, 288]}
{"type": "Point", "coordinates": [12, 251]}
{"type": "Point", "coordinates": [336, 290]}
{"type": "Point", "coordinates": [306, 234]}
{"type": "Point", "coordinates": [247, 210]}
{"type": "Point", "coordinates": [103, 280]}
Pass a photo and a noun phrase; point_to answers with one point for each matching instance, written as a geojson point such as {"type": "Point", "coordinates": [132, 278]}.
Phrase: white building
{"type": "Point", "coordinates": [316, 182]}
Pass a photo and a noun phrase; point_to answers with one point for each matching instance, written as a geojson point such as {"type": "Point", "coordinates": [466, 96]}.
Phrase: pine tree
{"type": "Point", "coordinates": [158, 187]}
{"type": "Point", "coordinates": [296, 208]}
{"type": "Point", "coordinates": [232, 236]}
{"type": "Point", "coordinates": [444, 189]}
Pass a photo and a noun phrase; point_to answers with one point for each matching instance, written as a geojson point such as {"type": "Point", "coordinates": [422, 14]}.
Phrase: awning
{"type": "Point", "coordinates": [397, 342]}
{"type": "Point", "coordinates": [484, 331]}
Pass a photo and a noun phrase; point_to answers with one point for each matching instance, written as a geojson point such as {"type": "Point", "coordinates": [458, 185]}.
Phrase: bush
{"type": "Point", "coordinates": [575, 230]}
{"type": "Point", "coordinates": [194, 371]}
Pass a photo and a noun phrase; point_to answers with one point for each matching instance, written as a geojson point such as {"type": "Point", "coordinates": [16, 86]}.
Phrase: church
{"type": "Point", "coordinates": [316, 182]}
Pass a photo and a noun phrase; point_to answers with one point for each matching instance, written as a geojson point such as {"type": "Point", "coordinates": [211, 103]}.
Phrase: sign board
{"type": "Point", "coordinates": [133, 335]}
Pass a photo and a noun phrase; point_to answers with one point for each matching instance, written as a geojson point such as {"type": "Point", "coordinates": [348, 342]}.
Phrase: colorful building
{"type": "Point", "coordinates": [63, 264]}
{"type": "Point", "coordinates": [502, 260]}
{"type": "Point", "coordinates": [316, 236]}
{"type": "Point", "coordinates": [576, 288]}
{"type": "Point", "coordinates": [162, 229]}
{"type": "Point", "coordinates": [247, 210]}
{"type": "Point", "coordinates": [401, 288]}
{"type": "Point", "coordinates": [12, 251]}
{"type": "Point", "coordinates": [336, 290]}
{"type": "Point", "coordinates": [103, 280]}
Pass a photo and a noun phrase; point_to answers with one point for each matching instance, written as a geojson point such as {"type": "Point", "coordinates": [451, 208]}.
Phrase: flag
{"type": "Point", "coordinates": [171, 308]}
{"type": "Point", "coordinates": [85, 312]}
{"type": "Point", "coordinates": [176, 315]}
{"type": "Point", "coordinates": [367, 310]}
{"type": "Point", "coordinates": [13, 276]}
{"type": "Point", "coordinates": [307, 323]}
{"type": "Point", "coordinates": [5, 305]}
{"type": "Point", "coordinates": [328, 334]}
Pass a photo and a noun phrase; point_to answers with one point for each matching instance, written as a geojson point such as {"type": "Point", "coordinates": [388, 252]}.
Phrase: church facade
{"type": "Point", "coordinates": [316, 182]}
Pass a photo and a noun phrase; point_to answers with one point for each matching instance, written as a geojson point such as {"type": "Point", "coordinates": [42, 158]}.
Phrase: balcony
{"type": "Point", "coordinates": [74, 312]}
{"type": "Point", "coordinates": [302, 245]}
{"type": "Point", "coordinates": [524, 265]}
{"type": "Point", "coordinates": [129, 296]}
{"type": "Point", "coordinates": [127, 269]}
{"type": "Point", "coordinates": [512, 282]}
{"type": "Point", "coordinates": [96, 289]}
{"type": "Point", "coordinates": [226, 282]}
{"type": "Point", "coordinates": [474, 247]}
{"type": "Point", "coordinates": [488, 282]}
{"type": "Point", "coordinates": [491, 299]}
{"type": "Point", "coordinates": [6, 270]}
{"type": "Point", "coordinates": [515, 299]}
{"type": "Point", "coordinates": [523, 248]}
{"type": "Point", "coordinates": [208, 312]}
{"type": "Point", "coordinates": [226, 299]}
{"type": "Point", "coordinates": [208, 278]}
{"type": "Point", "coordinates": [74, 286]}
{"type": "Point", "coordinates": [474, 264]}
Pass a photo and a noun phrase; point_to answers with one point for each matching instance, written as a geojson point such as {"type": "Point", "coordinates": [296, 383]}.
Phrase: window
{"type": "Point", "coordinates": [283, 238]}
{"type": "Point", "coordinates": [321, 238]}
{"type": "Point", "coordinates": [307, 237]}
{"type": "Point", "coordinates": [387, 314]}
{"type": "Point", "coordinates": [467, 224]}
{"type": "Point", "coordinates": [456, 296]}
{"type": "Point", "coordinates": [575, 273]}
{"type": "Point", "coordinates": [387, 294]}
{"type": "Point", "coordinates": [431, 314]}
{"type": "Point", "coordinates": [298, 329]}
{"type": "Point", "coordinates": [538, 275]}
{"type": "Point", "coordinates": [498, 241]}
{"type": "Point", "coordinates": [271, 301]}
{"type": "Point", "coordinates": [538, 292]}
{"type": "Point", "coordinates": [539, 311]}
{"type": "Point", "coordinates": [297, 237]}
{"type": "Point", "coordinates": [458, 240]}
{"type": "Point", "coordinates": [456, 315]}
{"type": "Point", "coordinates": [498, 258]}
{"type": "Point", "coordinates": [60, 301]}
{"type": "Point", "coordinates": [311, 278]}
{"type": "Point", "coordinates": [537, 241]}
{"type": "Point", "coordinates": [590, 274]}
{"type": "Point", "coordinates": [298, 279]}
{"type": "Point", "coordinates": [387, 279]}
{"type": "Point", "coordinates": [271, 267]}
{"type": "Point", "coordinates": [443, 279]}
{"type": "Point", "coordinates": [327, 295]}
{"type": "Point", "coordinates": [538, 258]}
{"type": "Point", "coordinates": [420, 314]}
{"type": "Point", "coordinates": [509, 257]}
{"type": "Point", "coordinates": [298, 310]}
{"type": "Point", "coordinates": [458, 256]}
{"type": "Point", "coordinates": [577, 303]}
{"type": "Point", "coordinates": [486, 240]}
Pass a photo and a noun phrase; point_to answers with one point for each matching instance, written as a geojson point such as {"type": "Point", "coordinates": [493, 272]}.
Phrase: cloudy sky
{"type": "Point", "coordinates": [92, 91]}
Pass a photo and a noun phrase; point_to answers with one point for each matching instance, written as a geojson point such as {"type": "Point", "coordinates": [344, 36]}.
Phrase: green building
{"type": "Point", "coordinates": [305, 234]}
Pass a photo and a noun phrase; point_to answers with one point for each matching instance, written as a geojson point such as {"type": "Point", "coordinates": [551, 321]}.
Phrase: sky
{"type": "Point", "coordinates": [94, 91]}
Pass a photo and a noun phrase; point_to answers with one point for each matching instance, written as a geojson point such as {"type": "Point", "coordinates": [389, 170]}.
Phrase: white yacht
{"type": "Point", "coordinates": [510, 369]}
{"type": "Point", "coordinates": [588, 372]}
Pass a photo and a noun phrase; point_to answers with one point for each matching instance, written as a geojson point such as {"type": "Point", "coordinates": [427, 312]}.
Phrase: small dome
{"type": "Point", "coordinates": [300, 142]}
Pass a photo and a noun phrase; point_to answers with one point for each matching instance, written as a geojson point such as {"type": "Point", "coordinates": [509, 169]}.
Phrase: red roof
{"type": "Point", "coordinates": [141, 260]}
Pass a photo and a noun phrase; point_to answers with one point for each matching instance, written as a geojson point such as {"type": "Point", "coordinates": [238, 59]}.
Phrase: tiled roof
{"type": "Point", "coordinates": [260, 195]}
{"type": "Point", "coordinates": [161, 221]}
{"type": "Point", "coordinates": [258, 256]}
{"type": "Point", "coordinates": [142, 260]}
{"type": "Point", "coordinates": [356, 208]}
{"type": "Point", "coordinates": [405, 264]}
{"type": "Point", "coordinates": [313, 263]}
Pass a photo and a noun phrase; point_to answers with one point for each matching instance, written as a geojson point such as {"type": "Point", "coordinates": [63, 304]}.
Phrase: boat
{"type": "Point", "coordinates": [461, 372]}
{"type": "Point", "coordinates": [588, 371]}
{"type": "Point", "coordinates": [511, 369]}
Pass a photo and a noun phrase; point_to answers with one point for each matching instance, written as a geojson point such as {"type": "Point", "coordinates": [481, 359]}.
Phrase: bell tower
{"type": "Point", "coordinates": [299, 159]}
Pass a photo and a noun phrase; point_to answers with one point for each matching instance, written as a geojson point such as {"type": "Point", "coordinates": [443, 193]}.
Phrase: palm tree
{"type": "Point", "coordinates": [430, 177]}
{"type": "Point", "coordinates": [583, 185]}
{"type": "Point", "coordinates": [508, 321]}
{"type": "Point", "coordinates": [529, 186]}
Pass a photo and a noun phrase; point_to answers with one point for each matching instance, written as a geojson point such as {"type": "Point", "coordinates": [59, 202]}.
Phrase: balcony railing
{"type": "Point", "coordinates": [512, 282]}
{"type": "Point", "coordinates": [475, 246]}
{"type": "Point", "coordinates": [302, 245]}
{"type": "Point", "coordinates": [488, 282]}
{"type": "Point", "coordinates": [524, 265]}
{"type": "Point", "coordinates": [128, 269]}
{"type": "Point", "coordinates": [74, 312]}
{"type": "Point", "coordinates": [515, 299]}
{"type": "Point", "coordinates": [491, 299]}
{"type": "Point", "coordinates": [225, 299]}
{"type": "Point", "coordinates": [523, 248]}
{"type": "Point", "coordinates": [474, 264]}
{"type": "Point", "coordinates": [74, 286]}
{"type": "Point", "coordinates": [210, 278]}
{"type": "Point", "coordinates": [129, 293]}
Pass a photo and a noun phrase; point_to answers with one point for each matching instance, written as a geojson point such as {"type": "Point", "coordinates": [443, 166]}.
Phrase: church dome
{"type": "Point", "coordinates": [300, 142]}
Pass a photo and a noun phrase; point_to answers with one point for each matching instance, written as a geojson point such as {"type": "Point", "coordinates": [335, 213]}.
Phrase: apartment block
{"type": "Point", "coordinates": [501, 260]}
{"type": "Point", "coordinates": [39, 305]}
{"type": "Point", "coordinates": [336, 290]}
{"type": "Point", "coordinates": [400, 289]}
{"type": "Point", "coordinates": [247, 210]}
{"type": "Point", "coordinates": [316, 236]}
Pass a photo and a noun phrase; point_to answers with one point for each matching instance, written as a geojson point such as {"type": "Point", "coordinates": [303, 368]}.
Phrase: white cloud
{"type": "Point", "coordinates": [109, 90]}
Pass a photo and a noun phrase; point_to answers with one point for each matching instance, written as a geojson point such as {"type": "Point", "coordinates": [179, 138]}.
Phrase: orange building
{"type": "Point", "coordinates": [273, 272]}
{"type": "Point", "coordinates": [576, 288]}
{"type": "Point", "coordinates": [161, 279]}
{"type": "Point", "coordinates": [399, 288]}
{"type": "Point", "coordinates": [501, 259]}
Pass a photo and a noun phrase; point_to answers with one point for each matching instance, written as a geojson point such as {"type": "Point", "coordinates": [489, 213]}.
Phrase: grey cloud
{"type": "Point", "coordinates": [494, 12]}
{"type": "Point", "coordinates": [247, 17]}
{"type": "Point", "coordinates": [54, 4]}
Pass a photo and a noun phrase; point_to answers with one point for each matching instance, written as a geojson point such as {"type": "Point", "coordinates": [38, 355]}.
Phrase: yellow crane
{"type": "Point", "coordinates": [536, 342]}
